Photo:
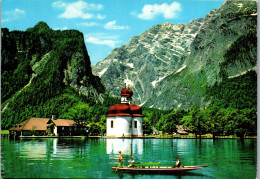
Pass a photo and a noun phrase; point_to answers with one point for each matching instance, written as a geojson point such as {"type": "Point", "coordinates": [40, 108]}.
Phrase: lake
{"type": "Point", "coordinates": [94, 157]}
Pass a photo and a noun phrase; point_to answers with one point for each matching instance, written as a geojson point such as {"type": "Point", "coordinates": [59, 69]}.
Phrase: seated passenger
{"type": "Point", "coordinates": [131, 163]}
{"type": "Point", "coordinates": [178, 163]}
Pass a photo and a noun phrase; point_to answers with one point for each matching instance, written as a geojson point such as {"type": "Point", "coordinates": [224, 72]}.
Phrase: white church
{"type": "Point", "coordinates": [125, 119]}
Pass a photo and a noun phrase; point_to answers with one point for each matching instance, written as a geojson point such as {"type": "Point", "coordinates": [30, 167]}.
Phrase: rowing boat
{"type": "Point", "coordinates": [158, 169]}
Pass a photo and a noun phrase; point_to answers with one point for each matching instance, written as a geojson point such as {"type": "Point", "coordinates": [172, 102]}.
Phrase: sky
{"type": "Point", "coordinates": [106, 24]}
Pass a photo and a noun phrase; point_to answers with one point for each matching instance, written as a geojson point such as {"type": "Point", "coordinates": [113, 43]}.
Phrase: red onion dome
{"type": "Point", "coordinates": [119, 110]}
{"type": "Point", "coordinates": [124, 92]}
{"type": "Point", "coordinates": [130, 92]}
{"type": "Point", "coordinates": [136, 110]}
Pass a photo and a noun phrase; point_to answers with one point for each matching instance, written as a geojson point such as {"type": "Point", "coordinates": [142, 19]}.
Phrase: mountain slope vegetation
{"type": "Point", "coordinates": [46, 72]}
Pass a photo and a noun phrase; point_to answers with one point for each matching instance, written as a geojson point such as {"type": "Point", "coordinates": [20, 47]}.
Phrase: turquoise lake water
{"type": "Point", "coordinates": [93, 158]}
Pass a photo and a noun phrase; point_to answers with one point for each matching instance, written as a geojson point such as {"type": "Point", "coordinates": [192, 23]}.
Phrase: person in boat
{"type": "Point", "coordinates": [131, 163]}
{"type": "Point", "coordinates": [178, 162]}
{"type": "Point", "coordinates": [120, 164]}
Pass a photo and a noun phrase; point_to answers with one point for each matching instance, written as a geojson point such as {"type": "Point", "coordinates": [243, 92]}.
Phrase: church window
{"type": "Point", "coordinates": [112, 124]}
{"type": "Point", "coordinates": [135, 124]}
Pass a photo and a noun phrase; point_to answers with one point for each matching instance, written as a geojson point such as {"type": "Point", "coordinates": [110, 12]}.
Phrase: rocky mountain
{"type": "Point", "coordinates": [38, 65]}
{"type": "Point", "coordinates": [147, 59]}
{"type": "Point", "coordinates": [175, 66]}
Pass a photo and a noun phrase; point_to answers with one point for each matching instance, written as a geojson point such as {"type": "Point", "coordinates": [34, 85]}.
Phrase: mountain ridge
{"type": "Point", "coordinates": [148, 48]}
{"type": "Point", "coordinates": [211, 57]}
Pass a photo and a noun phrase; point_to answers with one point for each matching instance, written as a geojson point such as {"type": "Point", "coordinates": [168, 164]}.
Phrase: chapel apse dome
{"type": "Point", "coordinates": [136, 110]}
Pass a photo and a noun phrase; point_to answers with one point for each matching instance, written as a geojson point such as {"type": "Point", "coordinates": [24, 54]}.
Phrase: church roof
{"type": "Point", "coordinates": [136, 110]}
{"type": "Point", "coordinates": [126, 92]}
{"type": "Point", "coordinates": [125, 109]}
{"type": "Point", "coordinates": [119, 110]}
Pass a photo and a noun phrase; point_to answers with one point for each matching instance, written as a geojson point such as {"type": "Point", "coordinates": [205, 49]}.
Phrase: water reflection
{"type": "Point", "coordinates": [55, 141]}
{"type": "Point", "coordinates": [32, 150]}
{"type": "Point", "coordinates": [93, 158]}
{"type": "Point", "coordinates": [127, 146]}
{"type": "Point", "coordinates": [45, 149]}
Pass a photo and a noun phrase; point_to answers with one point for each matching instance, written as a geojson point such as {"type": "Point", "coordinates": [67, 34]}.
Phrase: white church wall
{"type": "Point", "coordinates": [121, 126]}
{"type": "Point", "coordinates": [110, 130]}
{"type": "Point", "coordinates": [137, 129]}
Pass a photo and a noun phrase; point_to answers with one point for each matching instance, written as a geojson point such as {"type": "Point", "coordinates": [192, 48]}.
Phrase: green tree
{"type": "Point", "coordinates": [81, 114]}
{"type": "Point", "coordinates": [170, 120]}
{"type": "Point", "coordinates": [195, 121]}
{"type": "Point", "coordinates": [215, 121]}
{"type": "Point", "coordinates": [245, 122]}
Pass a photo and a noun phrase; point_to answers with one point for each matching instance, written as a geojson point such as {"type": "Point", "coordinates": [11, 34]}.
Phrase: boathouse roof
{"type": "Point", "coordinates": [40, 124]}
{"type": "Point", "coordinates": [63, 122]}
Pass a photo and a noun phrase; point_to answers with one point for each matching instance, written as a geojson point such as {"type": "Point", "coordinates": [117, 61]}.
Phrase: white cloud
{"type": "Point", "coordinates": [88, 24]}
{"type": "Point", "coordinates": [102, 39]}
{"type": "Point", "coordinates": [167, 11]}
{"type": "Point", "coordinates": [110, 43]}
{"type": "Point", "coordinates": [99, 16]}
{"type": "Point", "coordinates": [62, 28]}
{"type": "Point", "coordinates": [102, 35]}
{"type": "Point", "coordinates": [79, 9]}
{"type": "Point", "coordinates": [112, 26]}
{"type": "Point", "coordinates": [12, 15]}
{"type": "Point", "coordinates": [59, 4]}
{"type": "Point", "coordinates": [19, 11]}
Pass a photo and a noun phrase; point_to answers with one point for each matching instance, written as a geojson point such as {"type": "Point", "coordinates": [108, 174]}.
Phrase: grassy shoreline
{"type": "Point", "coordinates": [206, 136]}
{"type": "Point", "coordinates": [145, 137]}
{"type": "Point", "coordinates": [4, 131]}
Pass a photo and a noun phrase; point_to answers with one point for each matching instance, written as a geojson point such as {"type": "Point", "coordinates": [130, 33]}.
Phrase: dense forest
{"type": "Point", "coordinates": [233, 111]}
{"type": "Point", "coordinates": [44, 71]}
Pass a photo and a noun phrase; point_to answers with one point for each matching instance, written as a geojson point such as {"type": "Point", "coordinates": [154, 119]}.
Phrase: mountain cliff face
{"type": "Point", "coordinates": [147, 59]}
{"type": "Point", "coordinates": [177, 69]}
{"type": "Point", "coordinates": [38, 64]}
{"type": "Point", "coordinates": [224, 47]}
